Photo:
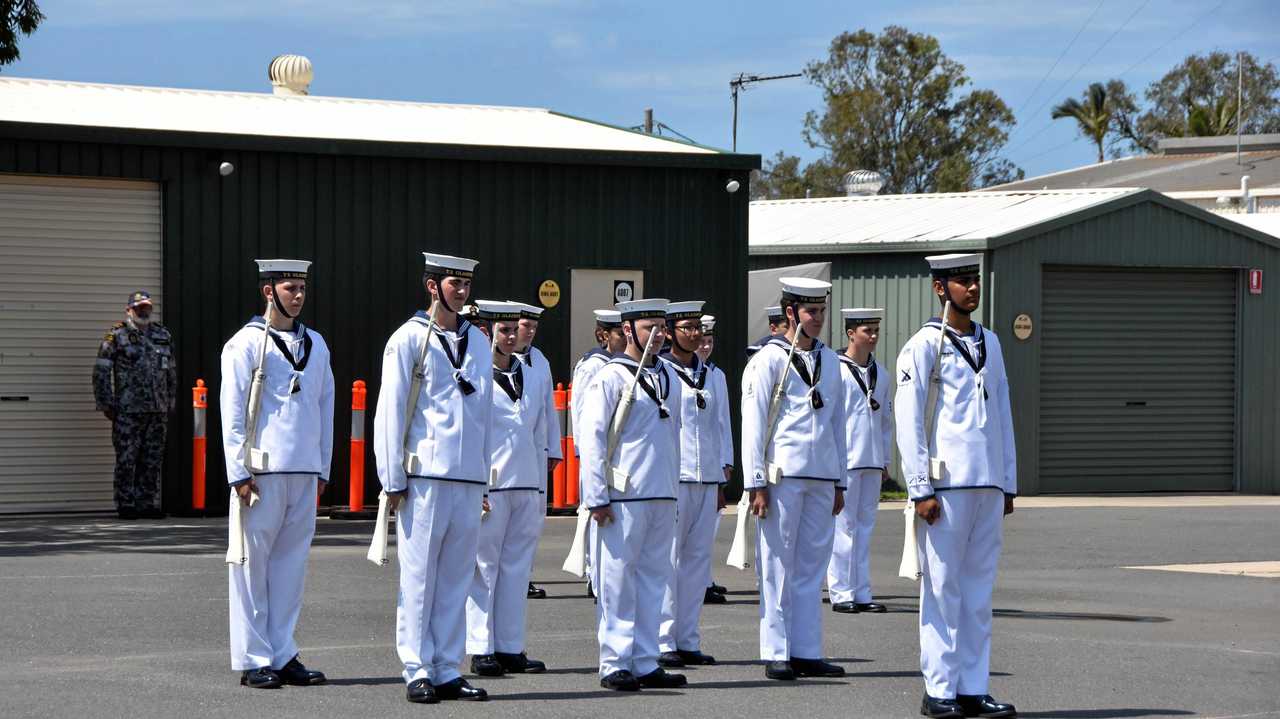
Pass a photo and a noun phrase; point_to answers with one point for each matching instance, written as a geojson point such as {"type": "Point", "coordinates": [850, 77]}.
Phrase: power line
{"type": "Point", "coordinates": [1166, 43]}
{"type": "Point", "coordinates": [1084, 64]}
{"type": "Point", "coordinates": [1064, 54]}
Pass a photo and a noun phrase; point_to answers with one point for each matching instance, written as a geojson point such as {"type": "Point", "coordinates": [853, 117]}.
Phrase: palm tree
{"type": "Point", "coordinates": [1212, 120]}
{"type": "Point", "coordinates": [1093, 115]}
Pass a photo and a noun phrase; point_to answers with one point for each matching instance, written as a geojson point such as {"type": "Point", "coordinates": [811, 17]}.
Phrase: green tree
{"type": "Point", "coordinates": [1093, 115]}
{"type": "Point", "coordinates": [16, 16]}
{"type": "Point", "coordinates": [896, 104]}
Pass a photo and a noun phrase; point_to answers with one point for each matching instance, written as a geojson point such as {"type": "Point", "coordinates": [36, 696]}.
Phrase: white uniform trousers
{"type": "Point", "coordinates": [793, 548]}
{"type": "Point", "coordinates": [439, 522]}
{"type": "Point", "coordinates": [504, 559]}
{"type": "Point", "coordinates": [266, 591]}
{"type": "Point", "coordinates": [960, 553]}
{"type": "Point", "coordinates": [632, 568]}
{"type": "Point", "coordinates": [691, 561]}
{"type": "Point", "coordinates": [849, 573]}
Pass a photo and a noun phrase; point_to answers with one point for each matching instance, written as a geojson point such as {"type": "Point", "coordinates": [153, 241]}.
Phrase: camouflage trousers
{"type": "Point", "coordinates": [139, 441]}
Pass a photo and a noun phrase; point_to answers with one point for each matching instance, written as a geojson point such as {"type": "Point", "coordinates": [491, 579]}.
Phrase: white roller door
{"type": "Point", "coordinates": [70, 253]}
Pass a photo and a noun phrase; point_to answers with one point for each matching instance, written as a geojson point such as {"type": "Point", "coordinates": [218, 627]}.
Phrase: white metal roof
{"type": "Point", "coordinates": [879, 222]}
{"type": "Point", "coordinates": [246, 113]}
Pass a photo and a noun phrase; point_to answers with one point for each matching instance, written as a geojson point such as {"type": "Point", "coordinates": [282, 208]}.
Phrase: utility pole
{"type": "Point", "coordinates": [738, 84]}
{"type": "Point", "coordinates": [1239, 101]}
{"type": "Point", "coordinates": [648, 120]}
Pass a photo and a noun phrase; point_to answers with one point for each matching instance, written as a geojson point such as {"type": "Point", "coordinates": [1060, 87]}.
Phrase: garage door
{"type": "Point", "coordinates": [1137, 380]}
{"type": "Point", "coordinates": [70, 253]}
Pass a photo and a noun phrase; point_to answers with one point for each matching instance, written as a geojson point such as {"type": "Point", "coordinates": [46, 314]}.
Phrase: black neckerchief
{"type": "Point", "coordinates": [868, 387]}
{"type": "Point", "coordinates": [526, 357]}
{"type": "Point", "coordinates": [464, 334]}
{"type": "Point", "coordinates": [664, 386]}
{"type": "Point", "coordinates": [815, 398]}
{"type": "Point", "coordinates": [513, 383]}
{"type": "Point", "coordinates": [299, 366]}
{"type": "Point", "coordinates": [963, 351]}
{"type": "Point", "coordinates": [699, 379]}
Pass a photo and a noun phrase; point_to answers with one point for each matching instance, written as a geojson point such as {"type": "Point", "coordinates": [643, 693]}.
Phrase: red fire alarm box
{"type": "Point", "coordinates": [1255, 282]}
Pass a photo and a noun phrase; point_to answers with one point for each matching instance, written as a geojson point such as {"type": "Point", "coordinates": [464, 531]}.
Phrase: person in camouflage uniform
{"type": "Point", "coordinates": [135, 383]}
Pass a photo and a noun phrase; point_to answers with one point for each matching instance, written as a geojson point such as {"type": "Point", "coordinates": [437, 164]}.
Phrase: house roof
{"type": "Point", "coordinates": [128, 107]}
{"type": "Point", "coordinates": [1205, 171]}
{"type": "Point", "coordinates": [942, 221]}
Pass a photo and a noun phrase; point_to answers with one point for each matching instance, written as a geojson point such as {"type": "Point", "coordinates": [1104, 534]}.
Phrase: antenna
{"type": "Point", "coordinates": [738, 84]}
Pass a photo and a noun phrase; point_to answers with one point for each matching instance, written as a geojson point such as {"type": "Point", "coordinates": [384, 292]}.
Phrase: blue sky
{"type": "Point", "coordinates": [609, 60]}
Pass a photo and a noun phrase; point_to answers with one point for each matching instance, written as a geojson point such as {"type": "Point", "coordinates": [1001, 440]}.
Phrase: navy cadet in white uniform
{"type": "Point", "coordinates": [433, 463]}
{"type": "Point", "coordinates": [542, 386]}
{"type": "Point", "coordinates": [515, 507]}
{"type": "Point", "coordinates": [294, 432]}
{"type": "Point", "coordinates": [610, 341]}
{"type": "Point", "coordinates": [777, 327]}
{"type": "Point", "coordinates": [963, 480]}
{"type": "Point", "coordinates": [869, 436]}
{"type": "Point", "coordinates": [700, 494]}
{"type": "Point", "coordinates": [796, 480]}
{"type": "Point", "coordinates": [632, 497]}
{"type": "Point", "coordinates": [715, 593]}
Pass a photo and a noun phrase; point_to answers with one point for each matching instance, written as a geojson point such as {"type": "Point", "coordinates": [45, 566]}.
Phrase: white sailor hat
{"type": "Point", "coordinates": [527, 311]}
{"type": "Point", "coordinates": [861, 315]}
{"type": "Point", "coordinates": [773, 312]}
{"type": "Point", "coordinates": [691, 310]}
{"type": "Point", "coordinates": [954, 265]}
{"type": "Point", "coordinates": [283, 269]}
{"type": "Point", "coordinates": [608, 318]}
{"type": "Point", "coordinates": [653, 308]}
{"type": "Point", "coordinates": [708, 325]}
{"type": "Point", "coordinates": [449, 266]}
{"type": "Point", "coordinates": [498, 311]}
{"type": "Point", "coordinates": [804, 290]}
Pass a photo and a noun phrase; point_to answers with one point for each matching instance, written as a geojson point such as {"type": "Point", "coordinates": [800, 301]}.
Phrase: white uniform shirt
{"type": "Point", "coordinates": [449, 430]}
{"type": "Point", "coordinates": [720, 386]}
{"type": "Point", "coordinates": [517, 454]}
{"type": "Point", "coordinates": [539, 382]}
{"type": "Point", "coordinates": [583, 371]}
{"type": "Point", "coordinates": [701, 430]}
{"type": "Point", "coordinates": [649, 446]}
{"type": "Point", "coordinates": [973, 425]}
{"type": "Point", "coordinates": [808, 443]}
{"type": "Point", "coordinates": [294, 428]}
{"type": "Point", "coordinates": [868, 432]}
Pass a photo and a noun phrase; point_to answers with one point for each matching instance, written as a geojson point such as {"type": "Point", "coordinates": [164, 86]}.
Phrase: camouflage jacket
{"type": "Point", "coordinates": [136, 370]}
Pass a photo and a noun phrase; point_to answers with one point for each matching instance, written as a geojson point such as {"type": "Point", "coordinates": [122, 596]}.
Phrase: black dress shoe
{"type": "Point", "coordinates": [151, 513]}
{"type": "Point", "coordinates": [260, 678]}
{"type": "Point", "coordinates": [590, 592]}
{"type": "Point", "coordinates": [941, 708]}
{"type": "Point", "coordinates": [519, 663]}
{"type": "Point", "coordinates": [718, 589]}
{"type": "Point", "coordinates": [782, 671]}
{"type": "Point", "coordinates": [670, 659]}
{"type": "Point", "coordinates": [713, 597]}
{"type": "Point", "coordinates": [460, 689]}
{"type": "Point", "coordinates": [294, 674]}
{"type": "Point", "coordinates": [844, 607]}
{"type": "Point", "coordinates": [815, 668]}
{"type": "Point", "coordinates": [420, 691]}
{"type": "Point", "coordinates": [127, 513]}
{"type": "Point", "coordinates": [661, 679]}
{"type": "Point", "coordinates": [620, 681]}
{"type": "Point", "coordinates": [870, 607]}
{"type": "Point", "coordinates": [537, 592]}
{"type": "Point", "coordinates": [695, 658]}
{"type": "Point", "coordinates": [486, 665]}
{"type": "Point", "coordinates": [984, 706]}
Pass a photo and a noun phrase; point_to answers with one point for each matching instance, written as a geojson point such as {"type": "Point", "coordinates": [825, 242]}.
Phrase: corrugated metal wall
{"type": "Point", "coordinates": [364, 220]}
{"type": "Point", "coordinates": [1148, 234]}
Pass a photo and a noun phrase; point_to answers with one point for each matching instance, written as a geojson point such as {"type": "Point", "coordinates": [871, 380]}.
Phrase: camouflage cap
{"type": "Point", "coordinates": [141, 297]}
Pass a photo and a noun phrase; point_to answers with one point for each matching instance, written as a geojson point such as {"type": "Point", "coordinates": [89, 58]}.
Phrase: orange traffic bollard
{"type": "Point", "coordinates": [199, 412]}
{"type": "Point", "coordinates": [558, 479]}
{"type": "Point", "coordinates": [570, 459]}
{"type": "Point", "coordinates": [355, 496]}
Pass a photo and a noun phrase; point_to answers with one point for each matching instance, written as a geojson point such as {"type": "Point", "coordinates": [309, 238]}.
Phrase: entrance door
{"type": "Point", "coordinates": [596, 290]}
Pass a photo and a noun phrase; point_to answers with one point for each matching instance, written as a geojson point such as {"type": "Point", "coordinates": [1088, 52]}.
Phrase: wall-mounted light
{"type": "Point", "coordinates": [226, 169]}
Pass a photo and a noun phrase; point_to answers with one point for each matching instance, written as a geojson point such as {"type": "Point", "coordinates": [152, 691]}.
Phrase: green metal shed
{"type": "Point", "coordinates": [1152, 356]}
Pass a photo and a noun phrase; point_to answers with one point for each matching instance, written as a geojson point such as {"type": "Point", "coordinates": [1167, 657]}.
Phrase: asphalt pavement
{"type": "Point", "coordinates": [103, 618]}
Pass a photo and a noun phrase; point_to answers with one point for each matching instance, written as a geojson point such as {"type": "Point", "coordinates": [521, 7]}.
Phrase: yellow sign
{"type": "Point", "coordinates": [549, 293]}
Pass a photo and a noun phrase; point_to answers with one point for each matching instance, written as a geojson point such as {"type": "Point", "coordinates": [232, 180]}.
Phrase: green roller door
{"type": "Point", "coordinates": [1137, 380]}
